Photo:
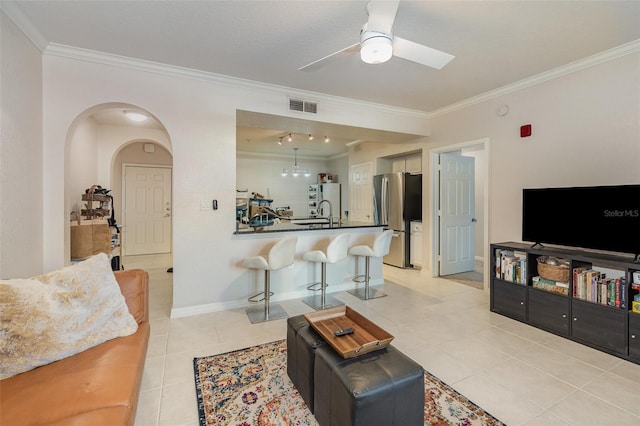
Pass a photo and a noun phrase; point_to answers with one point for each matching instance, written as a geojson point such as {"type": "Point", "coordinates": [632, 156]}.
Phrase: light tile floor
{"type": "Point", "coordinates": [521, 375]}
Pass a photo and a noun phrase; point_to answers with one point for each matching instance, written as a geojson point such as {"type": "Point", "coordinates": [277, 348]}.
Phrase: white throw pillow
{"type": "Point", "coordinates": [59, 314]}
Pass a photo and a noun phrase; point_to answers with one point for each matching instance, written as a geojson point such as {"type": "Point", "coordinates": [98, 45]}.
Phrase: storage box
{"type": "Point", "coordinates": [635, 307]}
{"type": "Point", "coordinates": [90, 237]}
{"type": "Point", "coordinates": [367, 336]}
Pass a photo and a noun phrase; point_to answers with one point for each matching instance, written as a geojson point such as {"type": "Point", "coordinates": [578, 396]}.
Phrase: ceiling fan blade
{"type": "Point", "coordinates": [382, 14]}
{"type": "Point", "coordinates": [419, 53]}
{"type": "Point", "coordinates": [316, 65]}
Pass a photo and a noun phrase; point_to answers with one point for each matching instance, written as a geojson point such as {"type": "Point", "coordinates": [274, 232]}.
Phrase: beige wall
{"type": "Point", "coordinates": [21, 198]}
{"type": "Point", "coordinates": [585, 131]}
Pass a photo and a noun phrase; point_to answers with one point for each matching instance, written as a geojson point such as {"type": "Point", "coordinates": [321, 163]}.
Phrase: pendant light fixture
{"type": "Point", "coordinates": [296, 170]}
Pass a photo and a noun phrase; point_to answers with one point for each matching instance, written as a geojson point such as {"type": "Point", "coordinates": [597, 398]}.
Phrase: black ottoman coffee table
{"type": "Point", "coordinates": [302, 342]}
{"type": "Point", "coordinates": [381, 388]}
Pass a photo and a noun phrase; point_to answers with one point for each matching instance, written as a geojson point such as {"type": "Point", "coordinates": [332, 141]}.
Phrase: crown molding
{"type": "Point", "coordinates": [14, 13]}
{"type": "Point", "coordinates": [88, 55]}
{"type": "Point", "coordinates": [581, 64]}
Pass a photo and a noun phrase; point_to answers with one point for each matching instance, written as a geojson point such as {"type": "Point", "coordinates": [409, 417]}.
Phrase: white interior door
{"type": "Point", "coordinates": [457, 213]}
{"type": "Point", "coordinates": [361, 193]}
{"type": "Point", "coordinates": [147, 210]}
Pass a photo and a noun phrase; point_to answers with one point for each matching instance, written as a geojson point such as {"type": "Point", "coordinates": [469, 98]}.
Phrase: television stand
{"type": "Point", "coordinates": [537, 245]}
{"type": "Point", "coordinates": [593, 307]}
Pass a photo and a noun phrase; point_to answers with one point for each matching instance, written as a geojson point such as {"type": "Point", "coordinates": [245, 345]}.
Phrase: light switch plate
{"type": "Point", "coordinates": [205, 205]}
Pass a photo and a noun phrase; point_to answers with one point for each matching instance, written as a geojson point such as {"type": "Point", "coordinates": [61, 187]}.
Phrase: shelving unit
{"type": "Point", "coordinates": [93, 234]}
{"type": "Point", "coordinates": [93, 212]}
{"type": "Point", "coordinates": [606, 323]}
{"type": "Point", "coordinates": [313, 198]}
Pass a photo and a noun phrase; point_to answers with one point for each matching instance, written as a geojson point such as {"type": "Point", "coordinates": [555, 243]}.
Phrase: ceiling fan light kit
{"type": "Point", "coordinates": [375, 48]}
{"type": "Point", "coordinates": [378, 44]}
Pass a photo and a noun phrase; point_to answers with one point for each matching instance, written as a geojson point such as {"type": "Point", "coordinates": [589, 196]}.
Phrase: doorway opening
{"type": "Point", "coordinates": [146, 208]}
{"type": "Point", "coordinates": [459, 200]}
{"type": "Point", "coordinates": [100, 142]}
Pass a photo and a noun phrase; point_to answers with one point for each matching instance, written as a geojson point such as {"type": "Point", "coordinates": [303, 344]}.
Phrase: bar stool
{"type": "Point", "coordinates": [379, 248]}
{"type": "Point", "coordinates": [280, 256]}
{"type": "Point", "coordinates": [336, 251]}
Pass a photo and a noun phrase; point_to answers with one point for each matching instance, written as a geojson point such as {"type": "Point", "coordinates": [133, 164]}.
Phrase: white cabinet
{"type": "Point", "coordinates": [415, 244]}
{"type": "Point", "coordinates": [398, 165]}
{"type": "Point", "coordinates": [410, 164]}
{"type": "Point", "coordinates": [413, 164]}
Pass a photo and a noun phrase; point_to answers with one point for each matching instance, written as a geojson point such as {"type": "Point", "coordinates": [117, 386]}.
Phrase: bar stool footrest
{"type": "Point", "coordinates": [254, 300]}
{"type": "Point", "coordinates": [317, 286]}
{"type": "Point", "coordinates": [360, 278]}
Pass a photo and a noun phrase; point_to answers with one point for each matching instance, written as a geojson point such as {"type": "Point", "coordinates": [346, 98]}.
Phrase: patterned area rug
{"type": "Point", "coordinates": [250, 387]}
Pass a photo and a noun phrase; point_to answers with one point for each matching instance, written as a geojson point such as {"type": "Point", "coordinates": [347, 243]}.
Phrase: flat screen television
{"type": "Point", "coordinates": [594, 217]}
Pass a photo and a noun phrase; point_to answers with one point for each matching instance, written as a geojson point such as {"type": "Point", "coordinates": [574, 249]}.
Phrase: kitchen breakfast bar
{"type": "Point", "coordinates": [287, 274]}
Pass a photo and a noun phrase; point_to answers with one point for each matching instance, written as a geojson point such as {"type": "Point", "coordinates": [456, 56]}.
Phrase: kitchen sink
{"type": "Point", "coordinates": [311, 221]}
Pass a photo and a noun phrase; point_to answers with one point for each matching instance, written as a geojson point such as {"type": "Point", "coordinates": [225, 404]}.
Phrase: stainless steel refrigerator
{"type": "Point", "coordinates": [397, 200]}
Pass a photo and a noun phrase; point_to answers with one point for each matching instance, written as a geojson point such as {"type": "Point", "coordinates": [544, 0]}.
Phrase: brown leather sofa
{"type": "Point", "coordinates": [99, 386]}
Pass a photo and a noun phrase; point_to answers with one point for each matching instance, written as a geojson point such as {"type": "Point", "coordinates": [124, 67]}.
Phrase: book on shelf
{"type": "Point", "coordinates": [577, 278]}
{"type": "Point", "coordinates": [594, 286]}
{"type": "Point", "coordinates": [550, 285]}
{"type": "Point", "coordinates": [511, 265]}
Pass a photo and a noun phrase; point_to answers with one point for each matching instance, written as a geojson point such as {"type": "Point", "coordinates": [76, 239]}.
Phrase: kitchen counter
{"type": "Point", "coordinates": [295, 225]}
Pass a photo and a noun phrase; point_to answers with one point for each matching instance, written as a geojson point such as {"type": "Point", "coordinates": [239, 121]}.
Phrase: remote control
{"type": "Point", "coordinates": [343, 332]}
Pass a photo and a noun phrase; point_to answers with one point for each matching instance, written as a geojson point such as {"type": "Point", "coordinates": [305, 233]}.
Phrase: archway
{"type": "Point", "coordinates": [99, 141]}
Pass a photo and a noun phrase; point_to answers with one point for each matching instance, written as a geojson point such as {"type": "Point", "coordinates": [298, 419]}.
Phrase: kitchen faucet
{"type": "Point", "coordinates": [330, 211]}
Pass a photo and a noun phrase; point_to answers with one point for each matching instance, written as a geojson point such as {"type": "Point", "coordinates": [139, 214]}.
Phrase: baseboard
{"type": "Point", "coordinates": [278, 297]}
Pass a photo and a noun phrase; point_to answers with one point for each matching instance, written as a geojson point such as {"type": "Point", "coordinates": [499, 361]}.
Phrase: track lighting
{"type": "Point", "coordinates": [326, 139]}
{"type": "Point", "coordinates": [280, 140]}
{"type": "Point", "coordinates": [290, 138]}
{"type": "Point", "coordinates": [310, 137]}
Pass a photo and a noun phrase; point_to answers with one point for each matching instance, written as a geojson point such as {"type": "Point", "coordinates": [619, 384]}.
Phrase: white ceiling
{"type": "Point", "coordinates": [495, 43]}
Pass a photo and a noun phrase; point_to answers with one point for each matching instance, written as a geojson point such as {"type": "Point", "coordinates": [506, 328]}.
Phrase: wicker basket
{"type": "Point", "coordinates": [552, 272]}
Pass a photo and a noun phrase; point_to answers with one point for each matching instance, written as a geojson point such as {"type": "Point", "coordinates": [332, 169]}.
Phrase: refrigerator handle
{"type": "Point", "coordinates": [385, 201]}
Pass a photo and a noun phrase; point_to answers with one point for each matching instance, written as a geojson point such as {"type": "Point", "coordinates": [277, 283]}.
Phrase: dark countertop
{"type": "Point", "coordinates": [286, 226]}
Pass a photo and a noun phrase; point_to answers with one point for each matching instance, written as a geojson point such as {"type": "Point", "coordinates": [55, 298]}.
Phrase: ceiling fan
{"type": "Point", "coordinates": [378, 44]}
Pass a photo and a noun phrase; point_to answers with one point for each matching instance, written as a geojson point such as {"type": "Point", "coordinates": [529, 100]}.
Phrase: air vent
{"type": "Point", "coordinates": [303, 106]}
{"type": "Point", "coordinates": [311, 107]}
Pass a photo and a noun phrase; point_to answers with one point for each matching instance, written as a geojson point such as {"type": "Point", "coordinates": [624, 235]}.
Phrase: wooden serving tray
{"type": "Point", "coordinates": [367, 337]}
